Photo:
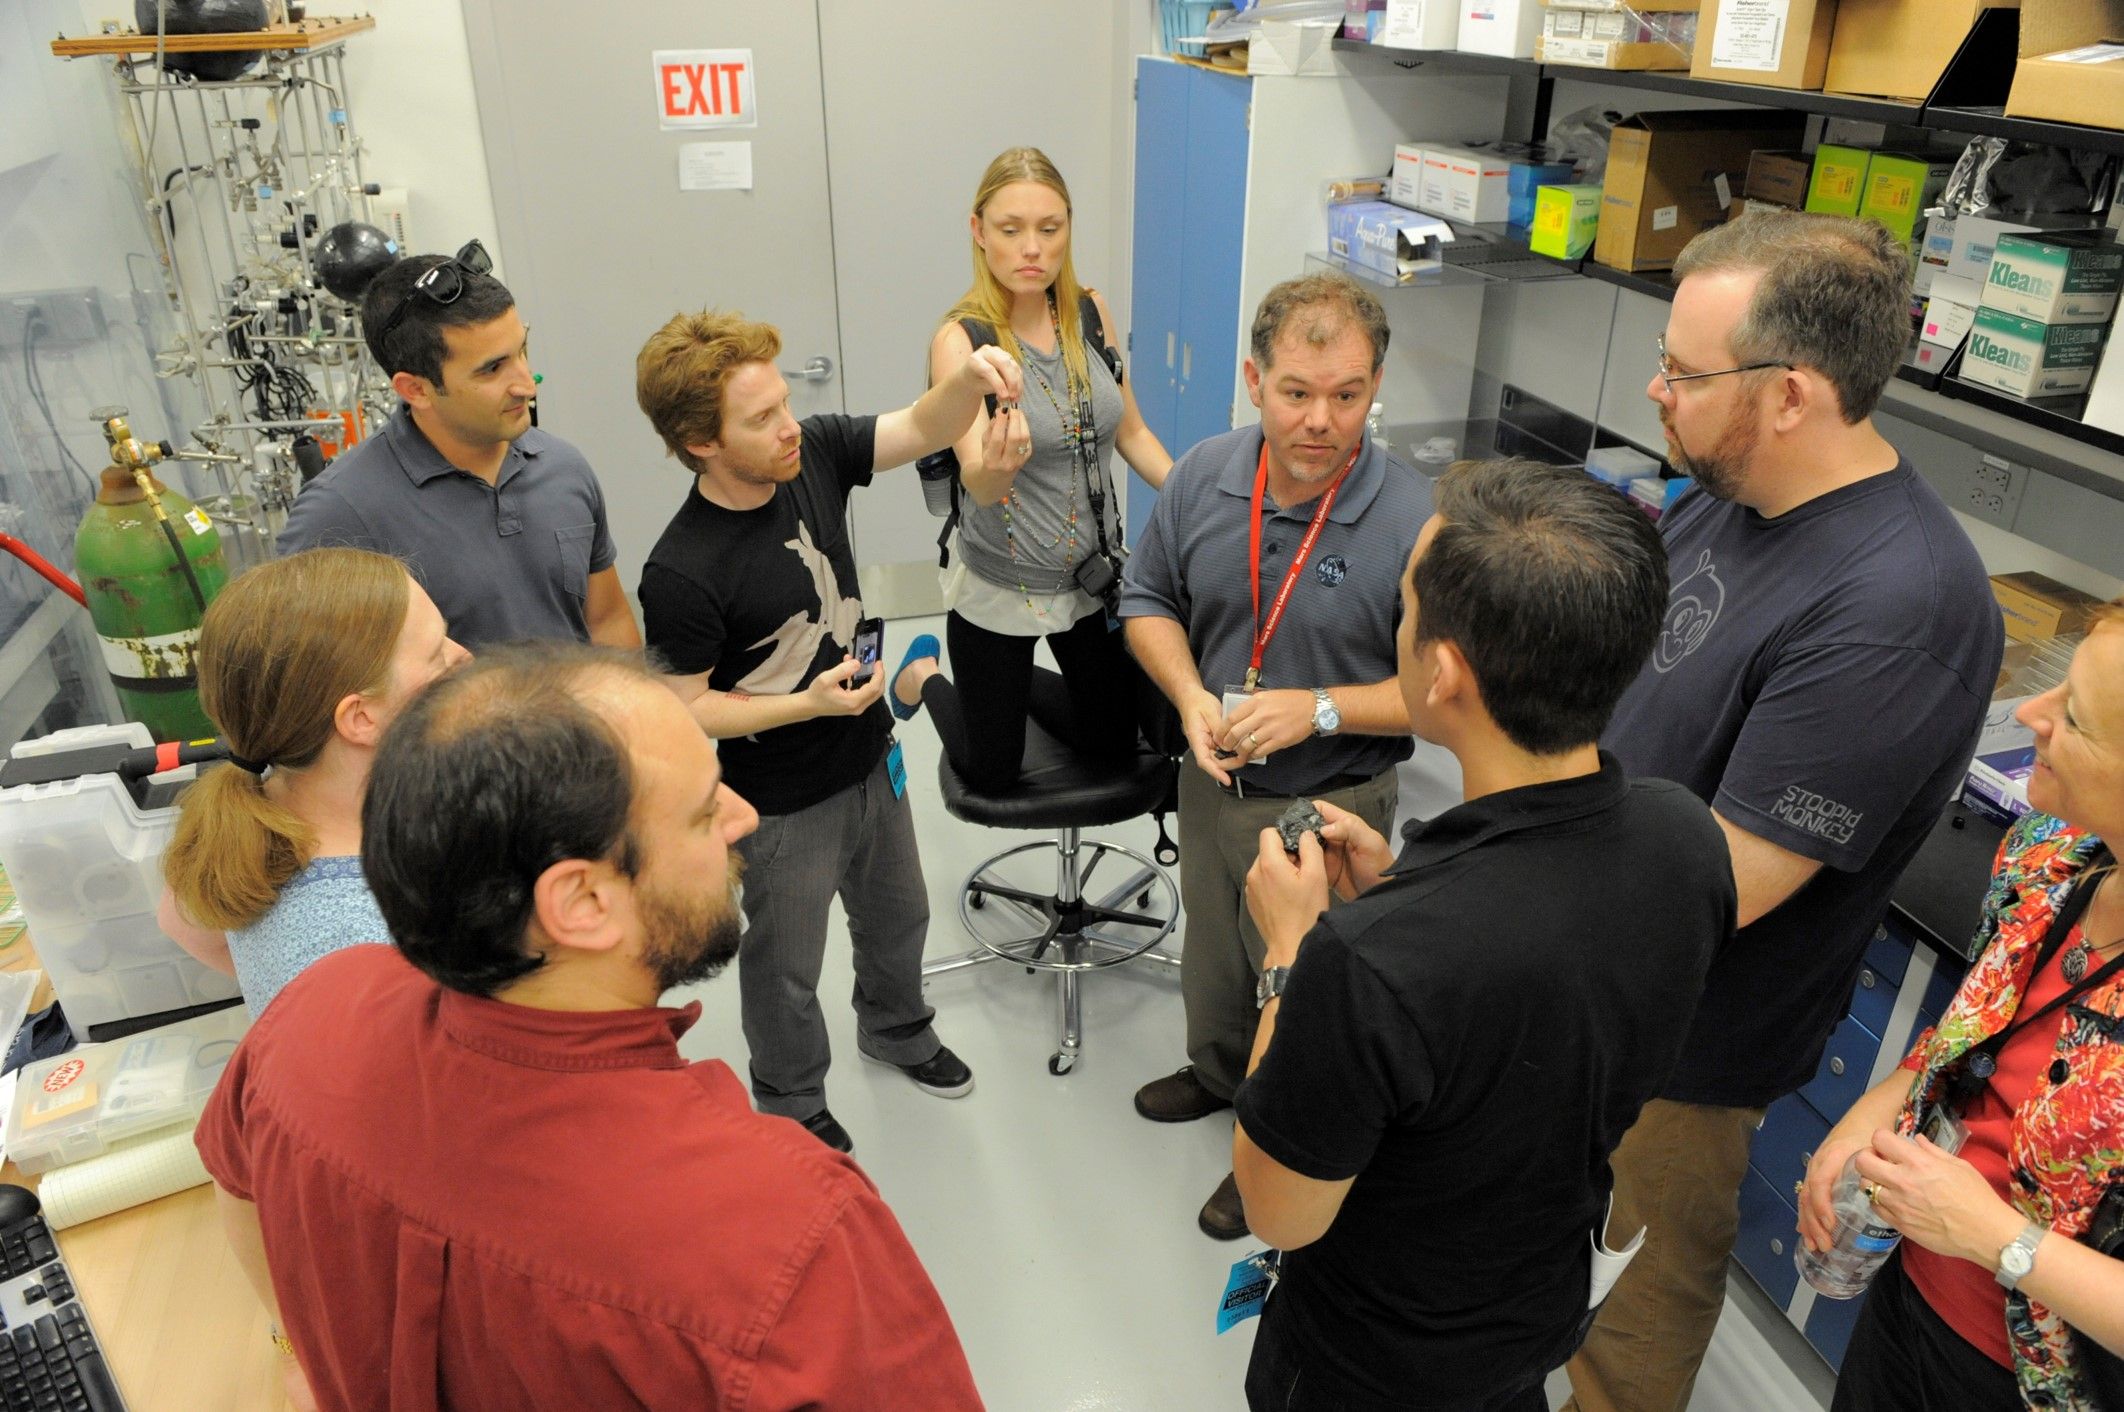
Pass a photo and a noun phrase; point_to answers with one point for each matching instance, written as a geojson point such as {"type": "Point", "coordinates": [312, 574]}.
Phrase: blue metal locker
{"type": "Point", "coordinates": [1209, 270]}
{"type": "Point", "coordinates": [1160, 244]}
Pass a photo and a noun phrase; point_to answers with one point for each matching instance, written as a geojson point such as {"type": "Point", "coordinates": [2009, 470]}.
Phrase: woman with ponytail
{"type": "Point", "coordinates": [302, 664]}
{"type": "Point", "coordinates": [1036, 521]}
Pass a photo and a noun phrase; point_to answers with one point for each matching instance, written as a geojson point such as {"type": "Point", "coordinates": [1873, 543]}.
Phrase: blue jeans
{"type": "Point", "coordinates": [860, 845]}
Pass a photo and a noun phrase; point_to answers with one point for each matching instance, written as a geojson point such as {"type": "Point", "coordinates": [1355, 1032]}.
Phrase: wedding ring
{"type": "Point", "coordinates": [1872, 1190]}
{"type": "Point", "coordinates": [1250, 740]}
{"type": "Point", "coordinates": [1024, 448]}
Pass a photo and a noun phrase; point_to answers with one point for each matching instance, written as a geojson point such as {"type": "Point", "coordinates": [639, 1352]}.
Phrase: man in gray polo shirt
{"type": "Point", "coordinates": [1263, 600]}
{"type": "Point", "coordinates": [503, 524]}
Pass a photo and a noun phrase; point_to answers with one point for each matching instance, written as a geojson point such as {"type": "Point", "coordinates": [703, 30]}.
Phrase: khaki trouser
{"type": "Point", "coordinates": [1220, 837]}
{"type": "Point", "coordinates": [1678, 1173]}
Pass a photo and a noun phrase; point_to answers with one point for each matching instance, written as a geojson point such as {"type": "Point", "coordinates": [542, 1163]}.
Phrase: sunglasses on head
{"type": "Point", "coordinates": [440, 284]}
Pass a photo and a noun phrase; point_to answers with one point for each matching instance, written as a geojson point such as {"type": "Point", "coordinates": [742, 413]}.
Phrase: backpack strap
{"type": "Point", "coordinates": [1095, 335]}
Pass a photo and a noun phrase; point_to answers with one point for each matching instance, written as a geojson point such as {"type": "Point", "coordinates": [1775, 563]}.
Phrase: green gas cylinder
{"type": "Point", "coordinates": [143, 602]}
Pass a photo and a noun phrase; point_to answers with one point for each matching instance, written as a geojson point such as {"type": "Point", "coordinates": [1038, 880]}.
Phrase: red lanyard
{"type": "Point", "coordinates": [1264, 629]}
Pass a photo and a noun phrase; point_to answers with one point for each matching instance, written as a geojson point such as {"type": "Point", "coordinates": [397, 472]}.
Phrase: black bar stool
{"type": "Point", "coordinates": [1071, 929]}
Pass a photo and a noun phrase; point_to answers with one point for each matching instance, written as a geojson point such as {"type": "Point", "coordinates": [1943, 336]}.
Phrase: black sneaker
{"type": "Point", "coordinates": [943, 1073]}
{"type": "Point", "coordinates": [822, 1126]}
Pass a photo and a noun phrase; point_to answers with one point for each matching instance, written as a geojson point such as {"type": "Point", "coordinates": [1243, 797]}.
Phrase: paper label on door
{"type": "Point", "coordinates": [1723, 189]}
{"type": "Point", "coordinates": [1751, 35]}
{"type": "Point", "coordinates": [1666, 217]}
{"type": "Point", "coordinates": [715, 166]}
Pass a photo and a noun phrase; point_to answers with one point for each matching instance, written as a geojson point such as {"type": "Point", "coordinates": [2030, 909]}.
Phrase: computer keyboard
{"type": "Point", "coordinates": [49, 1358]}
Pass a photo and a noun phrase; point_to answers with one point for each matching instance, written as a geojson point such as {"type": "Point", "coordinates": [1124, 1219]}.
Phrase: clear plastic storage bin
{"type": "Point", "coordinates": [86, 862]}
{"type": "Point", "coordinates": [78, 1104]}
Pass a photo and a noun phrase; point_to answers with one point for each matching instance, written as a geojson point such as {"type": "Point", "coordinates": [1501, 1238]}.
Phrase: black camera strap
{"type": "Point", "coordinates": [1980, 1061]}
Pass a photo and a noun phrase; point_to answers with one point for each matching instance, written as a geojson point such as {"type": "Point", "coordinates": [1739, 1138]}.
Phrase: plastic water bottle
{"type": "Point", "coordinates": [1375, 423]}
{"type": "Point", "coordinates": [1864, 1239]}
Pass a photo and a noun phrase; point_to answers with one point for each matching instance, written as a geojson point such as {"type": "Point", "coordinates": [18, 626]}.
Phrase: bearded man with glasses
{"type": "Point", "coordinates": [504, 524]}
{"type": "Point", "coordinates": [1820, 679]}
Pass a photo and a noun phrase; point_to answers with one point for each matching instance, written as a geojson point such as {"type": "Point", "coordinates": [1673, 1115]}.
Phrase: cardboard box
{"type": "Point", "coordinates": [2072, 62]}
{"type": "Point", "coordinates": [1611, 54]}
{"type": "Point", "coordinates": [2036, 606]}
{"type": "Point", "coordinates": [1526, 179]}
{"type": "Point", "coordinates": [1385, 238]}
{"type": "Point", "coordinates": [1507, 28]}
{"type": "Point", "coordinates": [1897, 48]}
{"type": "Point", "coordinates": [1946, 321]}
{"type": "Point", "coordinates": [1405, 185]}
{"type": "Point", "coordinates": [1465, 184]}
{"type": "Point", "coordinates": [1996, 786]}
{"type": "Point", "coordinates": [1838, 183]}
{"type": "Point", "coordinates": [1420, 24]}
{"type": "Point", "coordinates": [2023, 358]}
{"type": "Point", "coordinates": [1631, 26]}
{"type": "Point", "coordinates": [1898, 189]}
{"type": "Point", "coordinates": [1773, 43]}
{"type": "Point", "coordinates": [2056, 277]}
{"type": "Point", "coordinates": [1565, 219]}
{"type": "Point", "coordinates": [1779, 178]}
{"type": "Point", "coordinates": [1663, 178]}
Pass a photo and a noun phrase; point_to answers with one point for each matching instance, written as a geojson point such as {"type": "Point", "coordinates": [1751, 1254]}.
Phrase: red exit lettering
{"type": "Point", "coordinates": [702, 90]}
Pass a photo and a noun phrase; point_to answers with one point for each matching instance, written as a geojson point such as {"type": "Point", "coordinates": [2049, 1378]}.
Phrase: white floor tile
{"type": "Point", "coordinates": [1058, 1225]}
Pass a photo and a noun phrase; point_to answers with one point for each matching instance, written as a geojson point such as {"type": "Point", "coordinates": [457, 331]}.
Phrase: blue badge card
{"type": "Point", "coordinates": [896, 771]}
{"type": "Point", "coordinates": [1247, 1289]}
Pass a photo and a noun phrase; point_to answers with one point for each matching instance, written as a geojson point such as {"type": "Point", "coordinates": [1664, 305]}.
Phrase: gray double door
{"type": "Point", "coordinates": [874, 123]}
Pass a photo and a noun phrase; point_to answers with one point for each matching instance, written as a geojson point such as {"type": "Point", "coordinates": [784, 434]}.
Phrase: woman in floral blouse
{"type": "Point", "coordinates": [1992, 1297]}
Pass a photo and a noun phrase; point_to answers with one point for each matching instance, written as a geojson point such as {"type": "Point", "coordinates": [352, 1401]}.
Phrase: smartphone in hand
{"type": "Point", "coordinates": [869, 646]}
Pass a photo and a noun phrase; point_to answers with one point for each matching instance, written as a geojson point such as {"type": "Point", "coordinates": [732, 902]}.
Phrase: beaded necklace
{"type": "Point", "coordinates": [1072, 423]}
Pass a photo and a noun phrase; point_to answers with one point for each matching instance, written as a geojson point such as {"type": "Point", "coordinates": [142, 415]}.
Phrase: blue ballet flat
{"type": "Point", "coordinates": [924, 646]}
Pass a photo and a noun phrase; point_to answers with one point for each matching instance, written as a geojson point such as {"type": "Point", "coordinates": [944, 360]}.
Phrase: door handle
{"type": "Point", "coordinates": [1187, 362]}
{"type": "Point", "coordinates": [819, 369]}
{"type": "Point", "coordinates": [1169, 340]}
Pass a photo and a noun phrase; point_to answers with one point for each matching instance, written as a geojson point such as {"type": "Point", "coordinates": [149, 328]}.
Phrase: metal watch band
{"type": "Point", "coordinates": [2018, 1258]}
{"type": "Point", "coordinates": [1270, 985]}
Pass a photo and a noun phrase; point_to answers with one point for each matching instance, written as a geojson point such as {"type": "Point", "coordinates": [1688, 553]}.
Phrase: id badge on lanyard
{"type": "Point", "coordinates": [1265, 628]}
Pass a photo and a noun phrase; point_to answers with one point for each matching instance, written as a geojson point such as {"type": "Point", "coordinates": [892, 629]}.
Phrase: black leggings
{"type": "Point", "coordinates": [1095, 705]}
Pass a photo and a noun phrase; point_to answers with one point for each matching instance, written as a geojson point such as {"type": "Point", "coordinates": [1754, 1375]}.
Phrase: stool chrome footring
{"type": "Point", "coordinates": [1069, 931]}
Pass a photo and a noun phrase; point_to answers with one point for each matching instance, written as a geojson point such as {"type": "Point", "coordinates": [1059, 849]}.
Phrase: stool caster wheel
{"type": "Point", "coordinates": [1143, 898]}
{"type": "Point", "coordinates": [976, 899]}
{"type": "Point", "coordinates": [1060, 1064]}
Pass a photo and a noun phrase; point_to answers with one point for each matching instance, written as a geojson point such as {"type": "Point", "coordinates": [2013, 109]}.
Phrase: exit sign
{"type": "Point", "coordinates": [704, 88]}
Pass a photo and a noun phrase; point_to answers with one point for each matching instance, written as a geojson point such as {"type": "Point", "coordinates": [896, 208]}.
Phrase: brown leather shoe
{"type": "Point", "coordinates": [1223, 1215]}
{"type": "Point", "coordinates": [1178, 1098]}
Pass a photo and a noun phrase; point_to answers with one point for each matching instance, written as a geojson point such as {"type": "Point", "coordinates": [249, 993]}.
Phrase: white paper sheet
{"type": "Point", "coordinates": [715, 166]}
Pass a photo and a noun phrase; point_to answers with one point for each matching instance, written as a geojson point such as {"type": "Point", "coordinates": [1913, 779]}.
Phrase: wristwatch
{"type": "Point", "coordinates": [1270, 985]}
{"type": "Point", "coordinates": [1326, 719]}
{"type": "Point", "coordinates": [2017, 1259]}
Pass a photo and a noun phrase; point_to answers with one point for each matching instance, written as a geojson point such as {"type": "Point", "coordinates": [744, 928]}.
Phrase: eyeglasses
{"type": "Point", "coordinates": [441, 284]}
{"type": "Point", "coordinates": [1669, 377]}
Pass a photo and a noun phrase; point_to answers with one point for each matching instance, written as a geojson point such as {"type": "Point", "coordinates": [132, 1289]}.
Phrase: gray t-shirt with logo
{"type": "Point", "coordinates": [1820, 681]}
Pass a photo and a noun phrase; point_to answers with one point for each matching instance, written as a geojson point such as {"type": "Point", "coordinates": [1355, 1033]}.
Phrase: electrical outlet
{"type": "Point", "coordinates": [71, 317]}
{"type": "Point", "coordinates": [1992, 490]}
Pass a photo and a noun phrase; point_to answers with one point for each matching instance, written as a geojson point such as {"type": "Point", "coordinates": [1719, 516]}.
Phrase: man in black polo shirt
{"type": "Point", "coordinates": [503, 524]}
{"type": "Point", "coordinates": [1426, 1123]}
{"type": "Point", "coordinates": [1820, 682]}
